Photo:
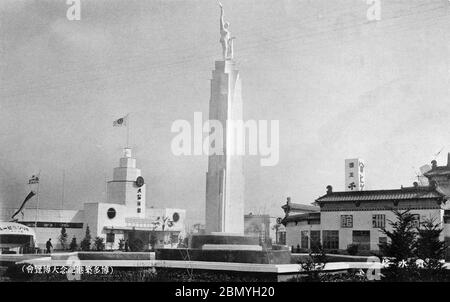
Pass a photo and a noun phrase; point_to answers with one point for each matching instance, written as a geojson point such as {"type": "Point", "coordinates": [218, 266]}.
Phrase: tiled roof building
{"type": "Point", "coordinates": [356, 217]}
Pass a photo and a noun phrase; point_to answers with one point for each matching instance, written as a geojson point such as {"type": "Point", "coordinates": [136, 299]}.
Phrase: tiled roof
{"type": "Point", "coordinates": [301, 207]}
{"type": "Point", "coordinates": [378, 195]}
{"type": "Point", "coordinates": [439, 170]}
{"type": "Point", "coordinates": [302, 217]}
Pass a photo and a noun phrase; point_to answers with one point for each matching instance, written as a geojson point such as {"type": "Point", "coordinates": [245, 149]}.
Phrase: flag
{"type": "Point", "coordinates": [33, 180]}
{"type": "Point", "coordinates": [121, 122]}
{"type": "Point", "coordinates": [31, 194]}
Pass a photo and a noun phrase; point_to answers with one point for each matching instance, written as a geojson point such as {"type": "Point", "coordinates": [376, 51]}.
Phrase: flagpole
{"type": "Point", "coordinates": [37, 202]}
{"type": "Point", "coordinates": [63, 194]}
{"type": "Point", "coordinates": [128, 134]}
{"type": "Point", "coordinates": [128, 130]}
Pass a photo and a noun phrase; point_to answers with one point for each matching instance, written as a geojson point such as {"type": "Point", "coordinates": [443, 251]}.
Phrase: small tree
{"type": "Point", "coordinates": [99, 244]}
{"type": "Point", "coordinates": [73, 244]}
{"type": "Point", "coordinates": [314, 265]}
{"type": "Point", "coordinates": [401, 245]}
{"type": "Point", "coordinates": [121, 244]}
{"type": "Point", "coordinates": [431, 250]}
{"type": "Point", "coordinates": [63, 238]}
{"type": "Point", "coordinates": [352, 249]}
{"type": "Point", "coordinates": [401, 248]}
{"type": "Point", "coordinates": [153, 239]}
{"type": "Point", "coordinates": [86, 242]}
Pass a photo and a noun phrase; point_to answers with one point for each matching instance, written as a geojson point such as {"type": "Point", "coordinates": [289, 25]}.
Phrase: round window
{"type": "Point", "coordinates": [111, 213]}
{"type": "Point", "coordinates": [175, 217]}
{"type": "Point", "coordinates": [140, 181]}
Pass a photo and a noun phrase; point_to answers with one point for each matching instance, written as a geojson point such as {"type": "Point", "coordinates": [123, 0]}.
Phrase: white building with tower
{"type": "Point", "coordinates": [124, 215]}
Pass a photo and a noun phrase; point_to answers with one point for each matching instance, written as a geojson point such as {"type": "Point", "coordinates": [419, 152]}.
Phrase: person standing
{"type": "Point", "coordinates": [49, 246]}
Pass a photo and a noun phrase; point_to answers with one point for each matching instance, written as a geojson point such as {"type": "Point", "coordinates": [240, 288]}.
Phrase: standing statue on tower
{"type": "Point", "coordinates": [225, 37]}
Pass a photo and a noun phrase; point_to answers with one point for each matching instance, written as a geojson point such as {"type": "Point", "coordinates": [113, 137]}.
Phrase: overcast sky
{"type": "Point", "coordinates": [341, 87]}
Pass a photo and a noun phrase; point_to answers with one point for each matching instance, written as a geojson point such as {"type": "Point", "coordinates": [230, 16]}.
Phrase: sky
{"type": "Point", "coordinates": [340, 85]}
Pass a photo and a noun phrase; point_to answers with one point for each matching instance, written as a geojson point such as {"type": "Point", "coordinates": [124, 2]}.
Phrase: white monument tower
{"type": "Point", "coordinates": [225, 179]}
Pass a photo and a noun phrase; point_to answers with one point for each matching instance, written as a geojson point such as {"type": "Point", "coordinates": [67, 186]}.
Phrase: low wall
{"type": "Point", "coordinates": [106, 256]}
{"type": "Point", "coordinates": [296, 258]}
{"type": "Point", "coordinates": [237, 256]}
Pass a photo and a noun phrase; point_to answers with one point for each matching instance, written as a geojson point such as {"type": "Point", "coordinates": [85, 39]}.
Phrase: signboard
{"type": "Point", "coordinates": [12, 228]}
{"type": "Point", "coordinates": [41, 224]}
{"type": "Point", "coordinates": [354, 175]}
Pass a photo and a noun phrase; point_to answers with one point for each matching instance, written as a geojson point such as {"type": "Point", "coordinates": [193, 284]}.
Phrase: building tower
{"type": "Point", "coordinates": [354, 174]}
{"type": "Point", "coordinates": [127, 187]}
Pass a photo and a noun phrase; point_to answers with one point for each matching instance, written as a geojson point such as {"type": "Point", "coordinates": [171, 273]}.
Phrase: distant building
{"type": "Point", "coordinates": [298, 208]}
{"type": "Point", "coordinates": [440, 175]}
{"type": "Point", "coordinates": [264, 226]}
{"type": "Point", "coordinates": [258, 225]}
{"type": "Point", "coordinates": [198, 228]}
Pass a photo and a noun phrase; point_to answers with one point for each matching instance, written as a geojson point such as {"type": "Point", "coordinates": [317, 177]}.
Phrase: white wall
{"type": "Point", "coordinates": [362, 221]}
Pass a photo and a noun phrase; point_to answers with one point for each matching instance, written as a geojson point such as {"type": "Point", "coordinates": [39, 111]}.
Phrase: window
{"type": "Point", "coordinates": [139, 210]}
{"type": "Point", "coordinates": [110, 237]}
{"type": "Point", "coordinates": [362, 239]}
{"type": "Point", "coordinates": [139, 203]}
{"type": "Point", "coordinates": [351, 165]}
{"type": "Point", "coordinates": [281, 238]}
{"type": "Point", "coordinates": [346, 221]}
{"type": "Point", "coordinates": [314, 239]}
{"type": "Point", "coordinates": [331, 240]}
{"type": "Point", "coordinates": [416, 220]}
{"type": "Point", "coordinates": [304, 239]}
{"type": "Point", "coordinates": [111, 213]}
{"type": "Point", "coordinates": [351, 174]}
{"type": "Point", "coordinates": [379, 221]}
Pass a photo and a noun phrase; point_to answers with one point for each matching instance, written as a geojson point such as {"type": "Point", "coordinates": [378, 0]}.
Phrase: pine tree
{"type": "Point", "coordinates": [73, 244]}
{"type": "Point", "coordinates": [401, 247]}
{"type": "Point", "coordinates": [153, 239]}
{"type": "Point", "coordinates": [431, 250]}
{"type": "Point", "coordinates": [63, 238]}
{"type": "Point", "coordinates": [86, 242]}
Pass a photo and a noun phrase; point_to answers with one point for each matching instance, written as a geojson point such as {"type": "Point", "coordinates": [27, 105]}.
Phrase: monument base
{"type": "Point", "coordinates": [224, 247]}
{"type": "Point", "coordinates": [198, 241]}
{"type": "Point", "coordinates": [234, 247]}
{"type": "Point", "coordinates": [225, 255]}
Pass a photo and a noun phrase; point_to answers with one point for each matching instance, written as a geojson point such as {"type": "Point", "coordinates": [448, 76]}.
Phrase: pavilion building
{"type": "Point", "coordinates": [125, 215]}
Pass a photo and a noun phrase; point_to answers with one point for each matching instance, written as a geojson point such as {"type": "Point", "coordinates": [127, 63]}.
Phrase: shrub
{"type": "Point", "coordinates": [121, 244]}
{"type": "Point", "coordinates": [86, 242]}
{"type": "Point", "coordinates": [136, 245]}
{"type": "Point", "coordinates": [352, 249]}
{"type": "Point", "coordinates": [73, 244]}
{"type": "Point", "coordinates": [153, 240]}
{"type": "Point", "coordinates": [99, 244]}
